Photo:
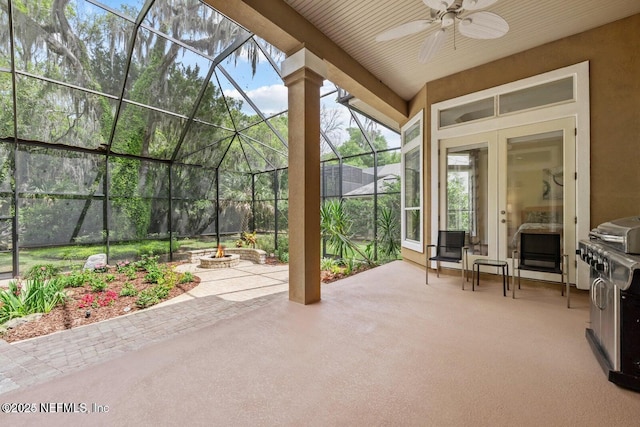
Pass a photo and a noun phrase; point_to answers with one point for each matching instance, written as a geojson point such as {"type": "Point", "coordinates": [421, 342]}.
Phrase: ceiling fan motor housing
{"type": "Point", "coordinates": [448, 19]}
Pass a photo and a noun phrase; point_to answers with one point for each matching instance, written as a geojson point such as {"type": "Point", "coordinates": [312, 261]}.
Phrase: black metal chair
{"type": "Point", "coordinates": [450, 248]}
{"type": "Point", "coordinates": [542, 252]}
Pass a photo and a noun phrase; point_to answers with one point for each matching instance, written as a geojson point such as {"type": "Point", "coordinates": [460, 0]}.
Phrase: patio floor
{"type": "Point", "coordinates": [381, 348]}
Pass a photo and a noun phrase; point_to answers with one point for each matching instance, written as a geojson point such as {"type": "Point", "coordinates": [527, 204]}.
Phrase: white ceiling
{"type": "Point", "coordinates": [353, 25]}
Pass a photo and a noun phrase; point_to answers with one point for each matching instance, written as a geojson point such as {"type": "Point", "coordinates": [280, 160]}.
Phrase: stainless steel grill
{"type": "Point", "coordinates": [612, 253]}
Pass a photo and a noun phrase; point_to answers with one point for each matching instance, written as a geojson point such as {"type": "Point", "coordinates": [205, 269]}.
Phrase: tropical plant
{"type": "Point", "coordinates": [31, 296]}
{"type": "Point", "coordinates": [388, 233]}
{"type": "Point", "coordinates": [335, 225]}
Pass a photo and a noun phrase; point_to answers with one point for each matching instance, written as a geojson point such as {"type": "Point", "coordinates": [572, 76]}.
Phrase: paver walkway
{"type": "Point", "coordinates": [221, 294]}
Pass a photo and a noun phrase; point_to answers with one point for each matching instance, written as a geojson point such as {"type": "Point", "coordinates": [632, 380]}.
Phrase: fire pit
{"type": "Point", "coordinates": [219, 260]}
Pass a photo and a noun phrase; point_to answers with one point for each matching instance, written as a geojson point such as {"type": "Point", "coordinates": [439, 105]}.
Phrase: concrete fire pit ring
{"type": "Point", "coordinates": [227, 261]}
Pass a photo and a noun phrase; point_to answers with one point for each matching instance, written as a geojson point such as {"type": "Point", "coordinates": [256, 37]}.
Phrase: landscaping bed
{"type": "Point", "coordinates": [128, 289]}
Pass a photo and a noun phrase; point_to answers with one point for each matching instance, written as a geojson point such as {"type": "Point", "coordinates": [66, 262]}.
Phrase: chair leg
{"type": "Point", "coordinates": [438, 269]}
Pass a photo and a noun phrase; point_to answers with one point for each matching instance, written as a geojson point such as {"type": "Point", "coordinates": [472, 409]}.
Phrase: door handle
{"type": "Point", "coordinates": [503, 212]}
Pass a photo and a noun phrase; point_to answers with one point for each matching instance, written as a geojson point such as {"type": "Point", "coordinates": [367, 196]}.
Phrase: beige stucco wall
{"type": "Point", "coordinates": [613, 52]}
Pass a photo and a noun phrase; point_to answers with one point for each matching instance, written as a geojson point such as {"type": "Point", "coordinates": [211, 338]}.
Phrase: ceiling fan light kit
{"type": "Point", "coordinates": [478, 25]}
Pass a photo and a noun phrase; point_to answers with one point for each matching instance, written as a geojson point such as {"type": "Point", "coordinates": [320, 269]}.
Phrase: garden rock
{"type": "Point", "coordinates": [95, 260]}
{"type": "Point", "coordinates": [19, 321]}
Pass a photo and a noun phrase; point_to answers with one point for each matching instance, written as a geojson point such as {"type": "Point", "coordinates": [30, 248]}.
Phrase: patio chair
{"type": "Point", "coordinates": [450, 248]}
{"type": "Point", "coordinates": [542, 252]}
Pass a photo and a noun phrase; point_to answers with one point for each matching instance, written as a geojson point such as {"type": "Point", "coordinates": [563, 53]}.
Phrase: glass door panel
{"type": "Point", "coordinates": [537, 186]}
{"type": "Point", "coordinates": [466, 205]}
{"type": "Point", "coordinates": [535, 183]}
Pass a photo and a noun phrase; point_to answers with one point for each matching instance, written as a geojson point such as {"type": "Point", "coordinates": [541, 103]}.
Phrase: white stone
{"type": "Point", "coordinates": [94, 260]}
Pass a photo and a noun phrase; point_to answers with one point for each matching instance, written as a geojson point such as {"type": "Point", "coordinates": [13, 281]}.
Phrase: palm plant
{"type": "Point", "coordinates": [388, 233]}
{"type": "Point", "coordinates": [335, 225]}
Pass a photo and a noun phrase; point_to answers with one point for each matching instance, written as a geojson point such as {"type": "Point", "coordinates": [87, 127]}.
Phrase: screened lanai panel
{"type": "Point", "coordinates": [50, 171]}
{"type": "Point", "coordinates": [5, 56]}
{"type": "Point", "coordinates": [199, 136]}
{"type": "Point", "coordinates": [326, 150]}
{"type": "Point", "coordinates": [192, 218]}
{"type": "Point", "coordinates": [195, 24]}
{"type": "Point", "coordinates": [262, 85]}
{"type": "Point", "coordinates": [6, 177]}
{"type": "Point", "coordinates": [209, 156]}
{"type": "Point", "coordinates": [283, 216]}
{"type": "Point", "coordinates": [361, 212]}
{"type": "Point", "coordinates": [330, 179]}
{"type": "Point", "coordinates": [60, 220]}
{"type": "Point", "coordinates": [194, 206]}
{"type": "Point", "coordinates": [81, 44]}
{"type": "Point", "coordinates": [193, 182]}
{"type": "Point", "coordinates": [146, 132]}
{"type": "Point", "coordinates": [7, 129]}
{"type": "Point", "coordinates": [139, 199]}
{"type": "Point", "coordinates": [242, 114]}
{"type": "Point", "coordinates": [269, 143]}
{"type": "Point", "coordinates": [283, 184]}
{"type": "Point", "coordinates": [256, 154]}
{"type": "Point", "coordinates": [138, 178]}
{"type": "Point", "coordinates": [164, 74]}
{"type": "Point", "coordinates": [380, 136]}
{"type": "Point", "coordinates": [235, 186]}
{"type": "Point", "coordinates": [264, 184]}
{"type": "Point", "coordinates": [58, 114]}
{"type": "Point", "coordinates": [235, 160]}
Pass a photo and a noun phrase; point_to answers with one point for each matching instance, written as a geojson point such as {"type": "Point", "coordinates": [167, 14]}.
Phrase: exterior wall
{"type": "Point", "coordinates": [613, 52]}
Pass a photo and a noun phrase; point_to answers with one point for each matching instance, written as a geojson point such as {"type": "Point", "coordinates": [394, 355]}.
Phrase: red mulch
{"type": "Point", "coordinates": [70, 315]}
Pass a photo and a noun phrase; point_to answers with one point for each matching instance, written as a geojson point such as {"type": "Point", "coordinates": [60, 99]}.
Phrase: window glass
{"type": "Point", "coordinates": [468, 112]}
{"type": "Point", "coordinates": [537, 96]}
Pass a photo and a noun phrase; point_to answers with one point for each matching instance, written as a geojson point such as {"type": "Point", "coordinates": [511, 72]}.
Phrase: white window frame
{"type": "Point", "coordinates": [407, 146]}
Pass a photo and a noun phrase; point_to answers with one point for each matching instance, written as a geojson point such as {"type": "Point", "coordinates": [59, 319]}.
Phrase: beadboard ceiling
{"type": "Point", "coordinates": [353, 25]}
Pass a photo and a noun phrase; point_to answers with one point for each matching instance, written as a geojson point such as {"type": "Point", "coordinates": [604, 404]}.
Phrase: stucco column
{"type": "Point", "coordinates": [303, 74]}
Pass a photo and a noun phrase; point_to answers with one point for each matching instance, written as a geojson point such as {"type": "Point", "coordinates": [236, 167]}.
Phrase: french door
{"type": "Point", "coordinates": [497, 184]}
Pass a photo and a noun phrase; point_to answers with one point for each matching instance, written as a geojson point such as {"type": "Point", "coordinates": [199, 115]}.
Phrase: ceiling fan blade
{"type": "Point", "coordinates": [438, 4]}
{"type": "Point", "coordinates": [477, 4]}
{"type": "Point", "coordinates": [403, 30]}
{"type": "Point", "coordinates": [432, 45]}
{"type": "Point", "coordinates": [483, 25]}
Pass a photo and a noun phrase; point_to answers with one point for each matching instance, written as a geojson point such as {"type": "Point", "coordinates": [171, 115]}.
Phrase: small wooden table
{"type": "Point", "coordinates": [490, 263]}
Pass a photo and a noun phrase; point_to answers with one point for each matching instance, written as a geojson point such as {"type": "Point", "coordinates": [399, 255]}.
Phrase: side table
{"type": "Point", "coordinates": [490, 263]}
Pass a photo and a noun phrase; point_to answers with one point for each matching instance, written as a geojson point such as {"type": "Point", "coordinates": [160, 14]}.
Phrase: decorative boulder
{"type": "Point", "coordinates": [95, 260]}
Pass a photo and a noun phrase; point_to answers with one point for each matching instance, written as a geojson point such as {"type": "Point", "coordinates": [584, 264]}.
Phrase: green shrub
{"type": "Point", "coordinates": [266, 243]}
{"type": "Point", "coordinates": [42, 272]}
{"type": "Point", "coordinates": [128, 290]}
{"type": "Point", "coordinates": [153, 275]}
{"type": "Point", "coordinates": [77, 278]}
{"type": "Point", "coordinates": [154, 295]}
{"type": "Point", "coordinates": [147, 298]}
{"type": "Point", "coordinates": [97, 284]}
{"type": "Point", "coordinates": [327, 263]}
{"type": "Point", "coordinates": [147, 262]}
{"type": "Point", "coordinates": [162, 290]}
{"type": "Point", "coordinates": [187, 277]}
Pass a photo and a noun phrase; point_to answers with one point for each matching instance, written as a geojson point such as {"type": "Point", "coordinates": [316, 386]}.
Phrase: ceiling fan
{"type": "Point", "coordinates": [478, 25]}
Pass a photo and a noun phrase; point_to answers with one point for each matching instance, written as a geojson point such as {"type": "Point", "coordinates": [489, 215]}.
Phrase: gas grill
{"type": "Point", "coordinates": [613, 254]}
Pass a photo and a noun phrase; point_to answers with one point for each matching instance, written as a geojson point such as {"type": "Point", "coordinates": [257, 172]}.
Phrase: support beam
{"type": "Point", "coordinates": [303, 75]}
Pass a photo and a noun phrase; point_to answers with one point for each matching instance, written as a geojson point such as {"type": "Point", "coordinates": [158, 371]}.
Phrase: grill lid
{"type": "Point", "coordinates": [622, 234]}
